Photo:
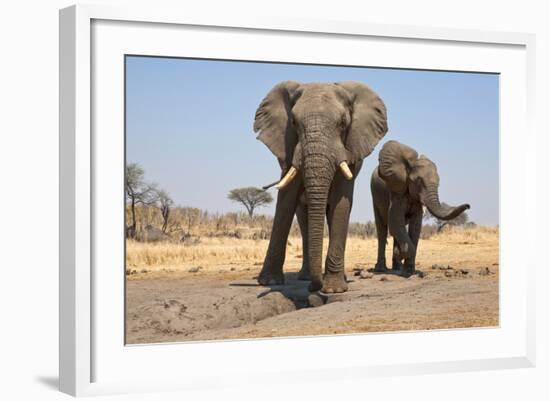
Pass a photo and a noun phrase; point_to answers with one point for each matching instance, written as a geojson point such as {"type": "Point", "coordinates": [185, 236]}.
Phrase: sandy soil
{"type": "Point", "coordinates": [457, 287]}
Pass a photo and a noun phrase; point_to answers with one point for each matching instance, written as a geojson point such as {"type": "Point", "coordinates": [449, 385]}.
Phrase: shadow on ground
{"type": "Point", "coordinates": [294, 290]}
{"type": "Point", "coordinates": [52, 382]}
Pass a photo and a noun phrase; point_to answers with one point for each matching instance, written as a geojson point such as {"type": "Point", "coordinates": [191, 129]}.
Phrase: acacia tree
{"type": "Point", "coordinates": [165, 204]}
{"type": "Point", "coordinates": [138, 192]}
{"type": "Point", "coordinates": [250, 197]}
{"type": "Point", "coordinates": [459, 220]}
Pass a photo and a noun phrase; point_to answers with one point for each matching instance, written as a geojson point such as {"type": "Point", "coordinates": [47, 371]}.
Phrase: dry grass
{"type": "Point", "coordinates": [466, 295]}
{"type": "Point", "coordinates": [209, 250]}
{"type": "Point", "coordinates": [474, 247]}
{"type": "Point", "coordinates": [477, 246]}
{"type": "Point", "coordinates": [458, 234]}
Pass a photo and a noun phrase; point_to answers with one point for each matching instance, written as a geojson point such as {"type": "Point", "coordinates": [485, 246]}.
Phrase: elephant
{"type": "Point", "coordinates": [403, 184]}
{"type": "Point", "coordinates": [320, 133]}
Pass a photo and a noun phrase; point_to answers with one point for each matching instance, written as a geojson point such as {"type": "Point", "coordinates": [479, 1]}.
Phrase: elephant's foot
{"type": "Point", "coordinates": [269, 277]}
{"type": "Point", "coordinates": [408, 270]}
{"type": "Point", "coordinates": [380, 267]}
{"type": "Point", "coordinates": [396, 265]}
{"type": "Point", "coordinates": [316, 284]}
{"type": "Point", "coordinates": [403, 251]}
{"type": "Point", "coordinates": [303, 274]}
{"type": "Point", "coordinates": [335, 283]}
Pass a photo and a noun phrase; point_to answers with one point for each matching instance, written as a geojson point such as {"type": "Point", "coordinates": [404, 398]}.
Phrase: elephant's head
{"type": "Point", "coordinates": [319, 130]}
{"type": "Point", "coordinates": [405, 172]}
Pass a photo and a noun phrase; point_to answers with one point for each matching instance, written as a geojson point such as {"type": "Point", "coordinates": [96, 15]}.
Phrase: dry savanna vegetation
{"type": "Point", "coordinates": [205, 289]}
{"type": "Point", "coordinates": [191, 275]}
{"type": "Point", "coordinates": [470, 245]}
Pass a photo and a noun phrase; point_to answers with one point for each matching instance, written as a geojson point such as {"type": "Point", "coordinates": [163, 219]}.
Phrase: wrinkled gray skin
{"type": "Point", "coordinates": [401, 185]}
{"type": "Point", "coordinates": [314, 127]}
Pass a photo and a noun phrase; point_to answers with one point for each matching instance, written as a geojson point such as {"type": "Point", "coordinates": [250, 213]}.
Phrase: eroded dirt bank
{"type": "Point", "coordinates": [208, 305]}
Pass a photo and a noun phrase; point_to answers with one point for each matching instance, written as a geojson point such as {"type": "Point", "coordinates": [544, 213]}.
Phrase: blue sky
{"type": "Point", "coordinates": [189, 124]}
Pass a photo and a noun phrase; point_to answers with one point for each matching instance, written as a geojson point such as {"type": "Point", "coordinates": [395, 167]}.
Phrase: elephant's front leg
{"type": "Point", "coordinates": [338, 213]}
{"type": "Point", "coordinates": [301, 215]}
{"type": "Point", "coordinates": [397, 226]}
{"type": "Point", "coordinates": [382, 236]}
{"type": "Point", "coordinates": [415, 228]}
{"type": "Point", "coordinates": [272, 270]}
{"type": "Point", "coordinates": [396, 263]}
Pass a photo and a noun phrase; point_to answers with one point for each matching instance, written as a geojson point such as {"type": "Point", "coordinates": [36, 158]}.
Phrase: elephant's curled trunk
{"type": "Point", "coordinates": [431, 200]}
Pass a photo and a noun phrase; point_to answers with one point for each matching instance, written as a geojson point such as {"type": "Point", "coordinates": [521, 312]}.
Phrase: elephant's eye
{"type": "Point", "coordinates": [344, 121]}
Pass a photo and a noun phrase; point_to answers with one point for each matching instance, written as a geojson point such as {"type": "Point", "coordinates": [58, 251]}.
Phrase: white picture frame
{"type": "Point", "coordinates": [94, 360]}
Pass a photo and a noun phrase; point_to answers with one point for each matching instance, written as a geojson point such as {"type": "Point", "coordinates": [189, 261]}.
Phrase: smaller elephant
{"type": "Point", "coordinates": [401, 185]}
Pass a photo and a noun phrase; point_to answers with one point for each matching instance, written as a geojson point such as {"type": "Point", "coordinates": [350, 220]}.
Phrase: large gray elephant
{"type": "Point", "coordinates": [401, 185]}
{"type": "Point", "coordinates": [320, 133]}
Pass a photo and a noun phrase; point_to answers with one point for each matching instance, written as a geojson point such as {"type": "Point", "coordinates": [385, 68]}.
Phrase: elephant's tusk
{"type": "Point", "coordinates": [345, 170]}
{"type": "Point", "coordinates": [266, 187]}
{"type": "Point", "coordinates": [287, 178]}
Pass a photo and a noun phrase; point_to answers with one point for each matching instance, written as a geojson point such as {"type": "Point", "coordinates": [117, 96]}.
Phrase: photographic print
{"type": "Point", "coordinates": [280, 200]}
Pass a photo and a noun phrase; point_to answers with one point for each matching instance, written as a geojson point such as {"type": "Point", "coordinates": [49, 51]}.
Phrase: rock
{"type": "Point", "coordinates": [195, 269]}
{"type": "Point", "coordinates": [152, 234]}
{"type": "Point", "coordinates": [315, 300]}
{"type": "Point", "coordinates": [365, 274]}
{"type": "Point", "coordinates": [448, 274]}
{"type": "Point", "coordinates": [232, 269]}
{"type": "Point", "coordinates": [384, 278]}
{"type": "Point", "coordinates": [485, 271]}
{"type": "Point", "coordinates": [419, 274]}
{"type": "Point", "coordinates": [464, 271]}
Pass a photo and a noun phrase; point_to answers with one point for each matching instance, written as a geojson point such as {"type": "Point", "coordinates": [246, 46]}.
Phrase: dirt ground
{"type": "Point", "coordinates": [217, 297]}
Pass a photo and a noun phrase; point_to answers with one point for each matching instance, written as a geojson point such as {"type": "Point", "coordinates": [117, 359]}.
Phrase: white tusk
{"type": "Point", "coordinates": [287, 178]}
{"type": "Point", "coordinates": [345, 170]}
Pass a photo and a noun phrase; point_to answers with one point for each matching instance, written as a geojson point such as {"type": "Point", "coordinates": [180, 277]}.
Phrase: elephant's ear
{"type": "Point", "coordinates": [368, 120]}
{"type": "Point", "coordinates": [394, 164]}
{"type": "Point", "coordinates": [273, 121]}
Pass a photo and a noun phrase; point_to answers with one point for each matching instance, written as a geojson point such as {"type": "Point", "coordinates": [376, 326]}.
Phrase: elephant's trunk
{"type": "Point", "coordinates": [319, 170]}
{"type": "Point", "coordinates": [431, 199]}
